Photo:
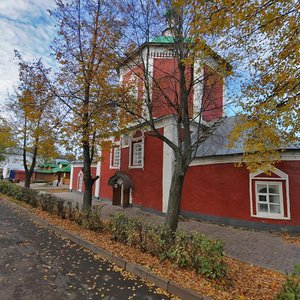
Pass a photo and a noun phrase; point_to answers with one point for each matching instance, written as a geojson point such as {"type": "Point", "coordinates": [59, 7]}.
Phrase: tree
{"type": "Point", "coordinates": [6, 137]}
{"type": "Point", "coordinates": [88, 31]}
{"type": "Point", "coordinates": [264, 37]}
{"type": "Point", "coordinates": [35, 115]}
{"type": "Point", "coordinates": [174, 89]}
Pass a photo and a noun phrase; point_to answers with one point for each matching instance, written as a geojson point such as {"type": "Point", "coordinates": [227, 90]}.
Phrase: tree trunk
{"type": "Point", "coordinates": [27, 179]}
{"type": "Point", "coordinates": [87, 178]}
{"type": "Point", "coordinates": [175, 194]}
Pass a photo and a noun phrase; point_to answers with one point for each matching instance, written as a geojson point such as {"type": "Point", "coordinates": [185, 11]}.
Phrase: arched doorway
{"type": "Point", "coordinates": [122, 187]}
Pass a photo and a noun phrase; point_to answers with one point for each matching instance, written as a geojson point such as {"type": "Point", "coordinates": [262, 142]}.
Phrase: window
{"type": "Point", "coordinates": [125, 141]}
{"type": "Point", "coordinates": [269, 195]}
{"type": "Point", "coordinates": [136, 159]}
{"type": "Point", "coordinates": [269, 198]}
{"type": "Point", "coordinates": [115, 157]}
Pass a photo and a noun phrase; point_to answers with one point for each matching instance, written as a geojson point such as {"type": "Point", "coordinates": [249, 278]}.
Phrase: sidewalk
{"type": "Point", "coordinates": [260, 248]}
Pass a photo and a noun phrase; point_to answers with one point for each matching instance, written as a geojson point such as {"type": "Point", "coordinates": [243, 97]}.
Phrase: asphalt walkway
{"type": "Point", "coordinates": [260, 248]}
{"type": "Point", "coordinates": [37, 263]}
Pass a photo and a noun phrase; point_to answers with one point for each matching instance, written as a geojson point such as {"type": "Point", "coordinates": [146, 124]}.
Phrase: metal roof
{"type": "Point", "coordinates": [217, 143]}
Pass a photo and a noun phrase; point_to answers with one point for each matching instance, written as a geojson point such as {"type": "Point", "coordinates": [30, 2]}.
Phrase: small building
{"type": "Point", "coordinates": [76, 177]}
{"type": "Point", "coordinates": [49, 172]}
{"type": "Point", "coordinates": [13, 167]}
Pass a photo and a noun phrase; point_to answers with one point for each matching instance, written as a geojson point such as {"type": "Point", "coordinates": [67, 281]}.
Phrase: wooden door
{"type": "Point", "coordinates": [126, 196]}
{"type": "Point", "coordinates": [116, 195]}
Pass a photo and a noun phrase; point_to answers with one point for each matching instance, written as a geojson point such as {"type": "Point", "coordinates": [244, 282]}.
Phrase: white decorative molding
{"type": "Point", "coordinates": [97, 183]}
{"type": "Point", "coordinates": [71, 178]}
{"type": "Point", "coordinates": [168, 163]}
{"type": "Point", "coordinates": [283, 177]}
{"type": "Point", "coordinates": [198, 89]}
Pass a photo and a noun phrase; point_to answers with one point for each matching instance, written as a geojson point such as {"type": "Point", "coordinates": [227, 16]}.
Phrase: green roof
{"type": "Point", "coordinates": [168, 40]}
{"type": "Point", "coordinates": [62, 170]}
{"type": "Point", "coordinates": [163, 39]}
{"type": "Point", "coordinates": [56, 169]}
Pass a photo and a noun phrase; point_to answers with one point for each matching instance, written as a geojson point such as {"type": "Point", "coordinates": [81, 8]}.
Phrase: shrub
{"type": "Point", "coordinates": [46, 202]}
{"type": "Point", "coordinates": [91, 219]}
{"type": "Point", "coordinates": [157, 240]}
{"type": "Point", "coordinates": [118, 225]}
{"type": "Point", "coordinates": [291, 287]}
{"type": "Point", "coordinates": [195, 250]}
{"type": "Point", "coordinates": [30, 196]}
{"type": "Point", "coordinates": [190, 250]}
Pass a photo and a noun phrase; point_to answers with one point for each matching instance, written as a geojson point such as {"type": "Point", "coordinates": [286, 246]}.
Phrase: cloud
{"type": "Point", "coordinates": [25, 25]}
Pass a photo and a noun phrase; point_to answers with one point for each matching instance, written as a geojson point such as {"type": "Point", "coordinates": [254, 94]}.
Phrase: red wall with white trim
{"type": "Point", "coordinates": [76, 171]}
{"type": "Point", "coordinates": [223, 190]}
{"type": "Point", "coordinates": [147, 182]}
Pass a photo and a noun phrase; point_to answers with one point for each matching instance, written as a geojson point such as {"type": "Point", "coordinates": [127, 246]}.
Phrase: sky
{"type": "Point", "coordinates": [25, 25]}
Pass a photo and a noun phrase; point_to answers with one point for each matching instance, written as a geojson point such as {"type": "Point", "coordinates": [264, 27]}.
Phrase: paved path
{"type": "Point", "coordinates": [261, 248]}
{"type": "Point", "coordinates": [36, 263]}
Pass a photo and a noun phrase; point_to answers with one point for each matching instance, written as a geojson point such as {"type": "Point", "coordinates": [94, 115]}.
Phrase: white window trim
{"type": "Point", "coordinates": [283, 177]}
{"type": "Point", "coordinates": [268, 214]}
{"type": "Point", "coordinates": [122, 145]}
{"type": "Point", "coordinates": [132, 140]}
{"type": "Point", "coordinates": [111, 166]}
{"type": "Point", "coordinates": [80, 175]}
{"type": "Point", "coordinates": [137, 155]}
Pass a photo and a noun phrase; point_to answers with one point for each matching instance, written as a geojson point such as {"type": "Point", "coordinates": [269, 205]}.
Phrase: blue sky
{"type": "Point", "coordinates": [25, 25]}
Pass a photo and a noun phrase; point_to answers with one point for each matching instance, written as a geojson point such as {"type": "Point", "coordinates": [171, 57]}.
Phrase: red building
{"type": "Point", "coordinates": [137, 170]}
{"type": "Point", "coordinates": [76, 177]}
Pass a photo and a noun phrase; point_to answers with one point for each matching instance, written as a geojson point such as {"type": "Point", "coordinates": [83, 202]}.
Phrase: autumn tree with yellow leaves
{"type": "Point", "coordinates": [34, 114]}
{"type": "Point", "coordinates": [263, 37]}
{"type": "Point", "coordinates": [173, 90]}
{"type": "Point", "coordinates": [7, 139]}
{"type": "Point", "coordinates": [88, 32]}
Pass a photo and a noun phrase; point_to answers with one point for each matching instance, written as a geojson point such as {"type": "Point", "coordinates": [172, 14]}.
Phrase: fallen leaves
{"type": "Point", "coordinates": [244, 281]}
{"type": "Point", "coordinates": [291, 238]}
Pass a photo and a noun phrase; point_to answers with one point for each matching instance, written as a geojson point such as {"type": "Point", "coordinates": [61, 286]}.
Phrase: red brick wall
{"type": "Point", "coordinates": [19, 175]}
{"type": "Point", "coordinates": [147, 189]}
{"type": "Point", "coordinates": [223, 190]}
{"type": "Point", "coordinates": [166, 86]}
{"type": "Point", "coordinates": [212, 95]}
{"type": "Point", "coordinates": [76, 171]}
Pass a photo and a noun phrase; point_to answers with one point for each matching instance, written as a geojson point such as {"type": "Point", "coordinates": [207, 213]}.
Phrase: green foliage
{"type": "Point", "coordinates": [291, 288]}
{"type": "Point", "coordinates": [195, 250]}
{"type": "Point", "coordinates": [89, 219]}
{"type": "Point", "coordinates": [189, 250]}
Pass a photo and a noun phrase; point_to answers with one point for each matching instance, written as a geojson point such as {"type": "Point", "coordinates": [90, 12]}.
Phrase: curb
{"type": "Point", "coordinates": [138, 270]}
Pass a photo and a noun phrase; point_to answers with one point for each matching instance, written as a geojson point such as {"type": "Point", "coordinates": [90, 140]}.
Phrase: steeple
{"type": "Point", "coordinates": [171, 22]}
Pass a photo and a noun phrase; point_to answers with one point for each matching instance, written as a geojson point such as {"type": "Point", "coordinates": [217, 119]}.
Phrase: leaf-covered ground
{"type": "Point", "coordinates": [244, 281]}
{"type": "Point", "coordinates": [291, 238]}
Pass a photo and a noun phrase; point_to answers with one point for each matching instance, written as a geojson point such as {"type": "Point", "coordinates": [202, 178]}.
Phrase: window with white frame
{"type": "Point", "coordinates": [137, 150]}
{"type": "Point", "coordinates": [125, 141]}
{"type": "Point", "coordinates": [116, 157]}
{"type": "Point", "coordinates": [269, 198]}
{"type": "Point", "coordinates": [137, 155]}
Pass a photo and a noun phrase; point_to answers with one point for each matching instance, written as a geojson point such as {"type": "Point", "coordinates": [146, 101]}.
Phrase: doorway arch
{"type": "Point", "coordinates": [122, 188]}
